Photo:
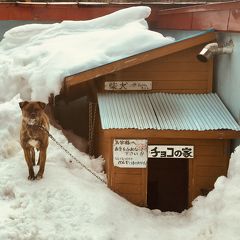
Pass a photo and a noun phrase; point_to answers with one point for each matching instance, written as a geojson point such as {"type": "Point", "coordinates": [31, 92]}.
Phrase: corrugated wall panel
{"type": "Point", "coordinates": [164, 111]}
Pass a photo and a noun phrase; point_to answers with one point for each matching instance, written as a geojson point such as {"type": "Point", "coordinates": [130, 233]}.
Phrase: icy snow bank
{"type": "Point", "coordinates": [219, 213]}
{"type": "Point", "coordinates": [35, 58]}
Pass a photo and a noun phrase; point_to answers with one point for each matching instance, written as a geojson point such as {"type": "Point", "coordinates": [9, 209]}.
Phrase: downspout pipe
{"type": "Point", "coordinates": [212, 49]}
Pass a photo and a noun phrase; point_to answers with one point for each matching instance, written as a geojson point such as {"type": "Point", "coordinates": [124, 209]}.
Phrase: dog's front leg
{"type": "Point", "coordinates": [42, 158]}
{"type": "Point", "coordinates": [32, 152]}
{"type": "Point", "coordinates": [28, 158]}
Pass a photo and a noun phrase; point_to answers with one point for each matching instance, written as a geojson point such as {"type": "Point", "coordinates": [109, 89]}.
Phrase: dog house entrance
{"type": "Point", "coordinates": [168, 184]}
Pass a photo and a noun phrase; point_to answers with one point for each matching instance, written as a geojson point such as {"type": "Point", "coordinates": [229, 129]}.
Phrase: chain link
{"type": "Point", "coordinates": [73, 157]}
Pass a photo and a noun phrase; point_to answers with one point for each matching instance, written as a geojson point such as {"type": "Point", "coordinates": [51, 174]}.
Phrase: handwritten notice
{"type": "Point", "coordinates": [170, 151]}
{"type": "Point", "coordinates": [128, 85]}
{"type": "Point", "coordinates": [130, 153]}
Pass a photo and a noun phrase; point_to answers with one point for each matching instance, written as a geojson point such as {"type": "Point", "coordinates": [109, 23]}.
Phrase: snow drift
{"type": "Point", "coordinates": [69, 203]}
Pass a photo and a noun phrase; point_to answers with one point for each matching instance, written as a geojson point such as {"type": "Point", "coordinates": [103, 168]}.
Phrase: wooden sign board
{"type": "Point", "coordinates": [128, 85]}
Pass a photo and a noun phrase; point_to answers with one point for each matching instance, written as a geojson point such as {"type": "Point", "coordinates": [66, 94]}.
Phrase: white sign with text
{"type": "Point", "coordinates": [128, 85]}
{"type": "Point", "coordinates": [130, 153]}
{"type": "Point", "coordinates": [170, 151]}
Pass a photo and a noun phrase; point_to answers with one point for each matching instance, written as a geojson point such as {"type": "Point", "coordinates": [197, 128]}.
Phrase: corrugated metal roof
{"type": "Point", "coordinates": [164, 111]}
{"type": "Point", "coordinates": [127, 111]}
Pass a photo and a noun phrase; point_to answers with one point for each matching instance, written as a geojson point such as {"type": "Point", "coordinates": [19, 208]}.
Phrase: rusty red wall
{"type": "Point", "coordinates": [53, 12]}
{"type": "Point", "coordinates": [66, 11]}
{"type": "Point", "coordinates": [221, 16]}
{"type": "Point", "coordinates": [73, 11]}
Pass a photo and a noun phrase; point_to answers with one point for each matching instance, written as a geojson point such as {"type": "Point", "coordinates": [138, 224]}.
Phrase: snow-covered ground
{"type": "Point", "coordinates": [69, 203]}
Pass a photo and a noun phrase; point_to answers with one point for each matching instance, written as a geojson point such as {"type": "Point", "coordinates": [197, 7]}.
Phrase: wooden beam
{"type": "Point", "coordinates": [136, 133]}
{"type": "Point", "coordinates": [76, 79]}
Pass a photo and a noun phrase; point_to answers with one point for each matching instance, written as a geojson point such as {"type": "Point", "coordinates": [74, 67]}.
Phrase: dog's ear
{"type": "Point", "coordinates": [22, 104]}
{"type": "Point", "coordinates": [42, 104]}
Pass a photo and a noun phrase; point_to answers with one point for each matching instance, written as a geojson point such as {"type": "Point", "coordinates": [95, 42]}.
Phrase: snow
{"type": "Point", "coordinates": [69, 203]}
{"type": "Point", "coordinates": [35, 58]}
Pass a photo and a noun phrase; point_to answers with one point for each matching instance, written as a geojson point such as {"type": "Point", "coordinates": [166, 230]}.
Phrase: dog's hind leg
{"type": "Point", "coordinates": [27, 154]}
{"type": "Point", "coordinates": [42, 158]}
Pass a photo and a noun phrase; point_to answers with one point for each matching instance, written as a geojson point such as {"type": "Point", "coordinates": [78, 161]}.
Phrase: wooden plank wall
{"type": "Point", "coordinates": [211, 158]}
{"type": "Point", "coordinates": [210, 161]}
{"type": "Point", "coordinates": [180, 72]}
{"type": "Point", "coordinates": [129, 183]}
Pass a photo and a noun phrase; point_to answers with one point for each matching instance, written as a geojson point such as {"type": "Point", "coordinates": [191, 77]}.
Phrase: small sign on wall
{"type": "Point", "coordinates": [128, 85]}
{"type": "Point", "coordinates": [170, 151]}
{"type": "Point", "coordinates": [130, 153]}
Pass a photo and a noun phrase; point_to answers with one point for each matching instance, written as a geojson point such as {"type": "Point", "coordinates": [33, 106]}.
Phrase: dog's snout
{"type": "Point", "coordinates": [33, 114]}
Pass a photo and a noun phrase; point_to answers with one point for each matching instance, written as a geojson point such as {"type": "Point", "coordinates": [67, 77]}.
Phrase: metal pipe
{"type": "Point", "coordinates": [212, 49]}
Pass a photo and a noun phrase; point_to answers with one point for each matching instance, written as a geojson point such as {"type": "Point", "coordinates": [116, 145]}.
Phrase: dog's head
{"type": "Point", "coordinates": [32, 111]}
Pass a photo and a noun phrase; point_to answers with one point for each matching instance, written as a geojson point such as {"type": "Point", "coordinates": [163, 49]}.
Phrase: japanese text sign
{"type": "Point", "coordinates": [128, 85]}
{"type": "Point", "coordinates": [170, 151]}
{"type": "Point", "coordinates": [130, 153]}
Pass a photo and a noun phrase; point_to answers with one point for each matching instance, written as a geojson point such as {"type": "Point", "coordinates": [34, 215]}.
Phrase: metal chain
{"type": "Point", "coordinates": [73, 157]}
{"type": "Point", "coordinates": [92, 117]}
{"type": "Point", "coordinates": [89, 128]}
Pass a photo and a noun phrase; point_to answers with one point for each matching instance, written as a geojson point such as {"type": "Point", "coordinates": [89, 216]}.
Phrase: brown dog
{"type": "Point", "coordinates": [32, 135]}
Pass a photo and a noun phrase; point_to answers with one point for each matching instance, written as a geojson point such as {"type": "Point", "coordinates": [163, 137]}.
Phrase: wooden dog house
{"type": "Point", "coordinates": [164, 135]}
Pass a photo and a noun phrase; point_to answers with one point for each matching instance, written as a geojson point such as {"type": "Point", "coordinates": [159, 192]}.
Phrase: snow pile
{"type": "Point", "coordinates": [69, 203]}
{"type": "Point", "coordinates": [35, 58]}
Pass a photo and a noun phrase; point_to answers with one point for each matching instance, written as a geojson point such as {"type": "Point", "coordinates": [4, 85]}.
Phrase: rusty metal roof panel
{"type": "Point", "coordinates": [164, 111]}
